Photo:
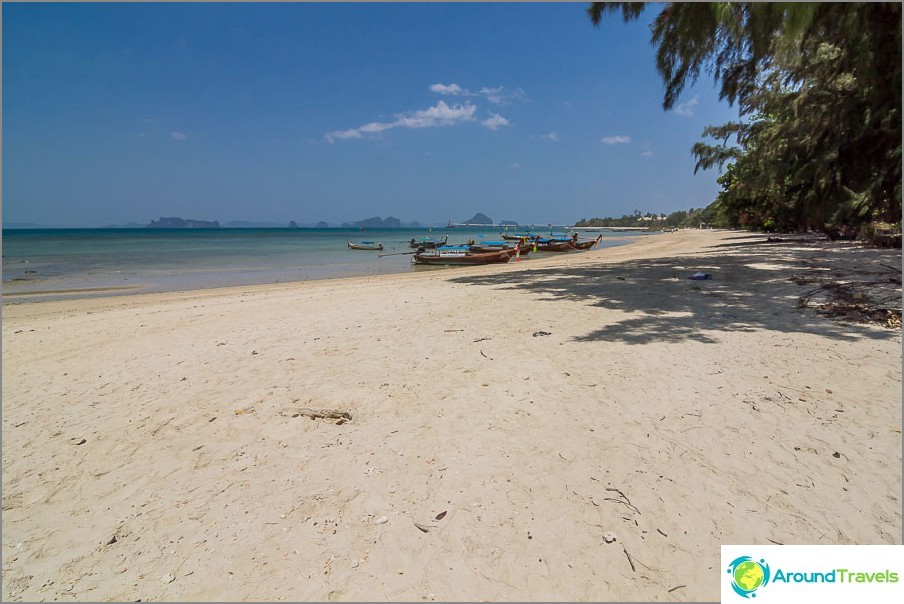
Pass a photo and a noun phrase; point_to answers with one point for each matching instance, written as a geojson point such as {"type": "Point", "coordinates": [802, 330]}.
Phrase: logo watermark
{"type": "Point", "coordinates": [793, 573]}
{"type": "Point", "coordinates": [748, 575]}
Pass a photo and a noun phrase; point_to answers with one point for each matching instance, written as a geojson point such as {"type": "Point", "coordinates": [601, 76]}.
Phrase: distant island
{"type": "Point", "coordinates": [380, 223]}
{"type": "Point", "coordinates": [480, 219]}
{"type": "Point", "coordinates": [181, 223]}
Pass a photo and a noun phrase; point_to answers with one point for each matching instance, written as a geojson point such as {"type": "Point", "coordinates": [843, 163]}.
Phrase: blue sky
{"type": "Point", "coordinates": [116, 113]}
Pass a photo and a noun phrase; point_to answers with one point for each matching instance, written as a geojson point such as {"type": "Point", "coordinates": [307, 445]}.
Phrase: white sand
{"type": "Point", "coordinates": [679, 415]}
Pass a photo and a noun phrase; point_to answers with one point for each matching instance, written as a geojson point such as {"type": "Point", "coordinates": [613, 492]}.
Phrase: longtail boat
{"type": "Point", "coordinates": [495, 246]}
{"type": "Point", "coordinates": [517, 236]}
{"type": "Point", "coordinates": [565, 244]}
{"type": "Point", "coordinates": [427, 242]}
{"type": "Point", "coordinates": [365, 245]}
{"type": "Point", "coordinates": [461, 255]}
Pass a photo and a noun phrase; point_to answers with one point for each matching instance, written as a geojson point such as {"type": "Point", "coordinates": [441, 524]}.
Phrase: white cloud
{"type": "Point", "coordinates": [495, 122]}
{"type": "Point", "coordinates": [374, 127]}
{"type": "Point", "coordinates": [453, 89]}
{"type": "Point", "coordinates": [616, 140]}
{"type": "Point", "coordinates": [442, 114]}
{"type": "Point", "coordinates": [647, 154]}
{"type": "Point", "coordinates": [439, 115]}
{"type": "Point", "coordinates": [687, 109]}
{"type": "Point", "coordinates": [178, 136]}
{"type": "Point", "coordinates": [342, 134]}
{"type": "Point", "coordinates": [499, 96]}
{"type": "Point", "coordinates": [550, 136]}
{"type": "Point", "coordinates": [514, 166]}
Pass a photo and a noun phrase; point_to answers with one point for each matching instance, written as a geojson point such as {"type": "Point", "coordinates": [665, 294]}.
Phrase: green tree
{"type": "Point", "coordinates": [817, 86]}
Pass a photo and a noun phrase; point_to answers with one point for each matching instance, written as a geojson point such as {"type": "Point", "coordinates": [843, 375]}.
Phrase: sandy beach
{"type": "Point", "coordinates": [502, 420]}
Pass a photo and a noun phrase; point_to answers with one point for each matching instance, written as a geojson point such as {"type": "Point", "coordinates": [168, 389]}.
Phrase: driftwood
{"type": "Point", "coordinates": [342, 416]}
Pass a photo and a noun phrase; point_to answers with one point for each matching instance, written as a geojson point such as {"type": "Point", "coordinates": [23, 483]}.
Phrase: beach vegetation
{"type": "Point", "coordinates": [818, 88]}
{"type": "Point", "coordinates": [693, 218]}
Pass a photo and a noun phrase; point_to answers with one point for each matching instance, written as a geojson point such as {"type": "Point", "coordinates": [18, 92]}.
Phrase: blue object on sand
{"type": "Point", "coordinates": [700, 276]}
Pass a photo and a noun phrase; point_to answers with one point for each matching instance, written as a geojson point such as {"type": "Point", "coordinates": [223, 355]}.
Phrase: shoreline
{"type": "Point", "coordinates": [19, 290]}
{"type": "Point", "coordinates": [416, 272]}
{"type": "Point", "coordinates": [502, 419]}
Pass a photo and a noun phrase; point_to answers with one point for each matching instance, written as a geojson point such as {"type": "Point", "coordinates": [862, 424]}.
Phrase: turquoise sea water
{"type": "Point", "coordinates": [69, 263]}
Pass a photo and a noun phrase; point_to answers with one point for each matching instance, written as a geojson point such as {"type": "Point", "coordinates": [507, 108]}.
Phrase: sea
{"type": "Point", "coordinates": [51, 264]}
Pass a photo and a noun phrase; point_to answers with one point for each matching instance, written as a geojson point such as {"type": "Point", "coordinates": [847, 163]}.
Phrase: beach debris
{"type": "Point", "coordinates": [168, 578]}
{"type": "Point", "coordinates": [875, 300]}
{"type": "Point", "coordinates": [609, 537]}
{"type": "Point", "coordinates": [80, 442]}
{"type": "Point", "coordinates": [381, 520]}
{"type": "Point", "coordinates": [676, 587]}
{"type": "Point", "coordinates": [630, 561]}
{"type": "Point", "coordinates": [112, 540]}
{"type": "Point", "coordinates": [661, 533]}
{"type": "Point", "coordinates": [485, 356]}
{"type": "Point", "coordinates": [541, 333]}
{"type": "Point", "coordinates": [342, 416]}
{"type": "Point", "coordinates": [836, 455]}
{"type": "Point", "coordinates": [440, 516]}
{"type": "Point", "coordinates": [424, 528]}
{"type": "Point", "coordinates": [698, 276]}
{"type": "Point", "coordinates": [623, 500]}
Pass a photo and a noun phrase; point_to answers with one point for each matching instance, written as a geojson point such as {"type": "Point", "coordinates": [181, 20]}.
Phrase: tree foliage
{"type": "Point", "coordinates": [818, 89]}
{"type": "Point", "coordinates": [695, 217]}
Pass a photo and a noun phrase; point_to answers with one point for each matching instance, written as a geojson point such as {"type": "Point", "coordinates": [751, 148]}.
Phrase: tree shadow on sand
{"type": "Point", "coordinates": [752, 287]}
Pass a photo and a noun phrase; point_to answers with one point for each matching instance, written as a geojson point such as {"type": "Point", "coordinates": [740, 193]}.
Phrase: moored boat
{"type": "Point", "coordinates": [495, 246]}
{"type": "Point", "coordinates": [517, 236]}
{"type": "Point", "coordinates": [565, 244]}
{"type": "Point", "coordinates": [427, 242]}
{"type": "Point", "coordinates": [461, 255]}
{"type": "Point", "coordinates": [365, 245]}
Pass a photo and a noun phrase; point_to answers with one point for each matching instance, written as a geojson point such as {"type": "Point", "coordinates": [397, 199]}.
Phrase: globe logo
{"type": "Point", "coordinates": [748, 575]}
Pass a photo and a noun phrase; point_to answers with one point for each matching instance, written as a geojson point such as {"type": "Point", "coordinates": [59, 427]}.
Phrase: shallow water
{"type": "Point", "coordinates": [69, 263]}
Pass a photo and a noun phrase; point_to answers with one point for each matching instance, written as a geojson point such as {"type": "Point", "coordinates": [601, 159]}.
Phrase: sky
{"type": "Point", "coordinates": [116, 113]}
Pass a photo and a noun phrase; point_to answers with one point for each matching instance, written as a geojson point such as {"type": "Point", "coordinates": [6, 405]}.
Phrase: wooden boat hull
{"type": "Point", "coordinates": [566, 246]}
{"type": "Point", "coordinates": [480, 249]}
{"type": "Point", "coordinates": [509, 237]}
{"type": "Point", "coordinates": [466, 259]}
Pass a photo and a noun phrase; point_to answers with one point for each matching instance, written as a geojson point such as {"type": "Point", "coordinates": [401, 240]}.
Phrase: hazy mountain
{"type": "Point", "coordinates": [479, 218]}
{"type": "Point", "coordinates": [174, 222]}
